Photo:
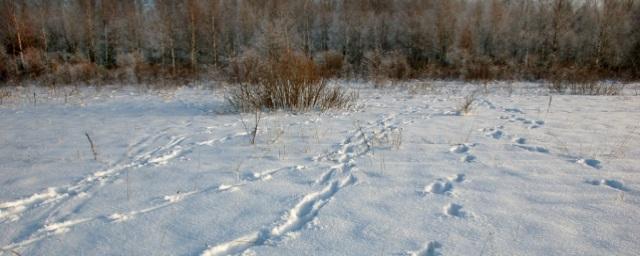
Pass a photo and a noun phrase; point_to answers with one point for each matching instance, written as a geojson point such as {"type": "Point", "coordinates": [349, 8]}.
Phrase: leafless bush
{"type": "Point", "coordinates": [246, 68]}
{"type": "Point", "coordinates": [596, 88]}
{"type": "Point", "coordinates": [4, 94]}
{"type": "Point", "coordinates": [373, 64]}
{"type": "Point", "coordinates": [396, 66]}
{"type": "Point", "coordinates": [290, 81]}
{"type": "Point", "coordinates": [478, 70]}
{"type": "Point", "coordinates": [290, 96]}
{"type": "Point", "coordinates": [467, 104]}
{"type": "Point", "coordinates": [581, 81]}
{"type": "Point", "coordinates": [330, 63]}
{"type": "Point", "coordinates": [252, 131]}
{"type": "Point", "coordinates": [73, 69]}
{"type": "Point", "coordinates": [387, 66]}
{"type": "Point", "coordinates": [83, 72]}
{"type": "Point", "coordinates": [34, 62]}
{"type": "Point", "coordinates": [127, 65]}
{"type": "Point", "coordinates": [125, 60]}
{"type": "Point", "coordinates": [584, 86]}
{"type": "Point", "coordinates": [7, 67]}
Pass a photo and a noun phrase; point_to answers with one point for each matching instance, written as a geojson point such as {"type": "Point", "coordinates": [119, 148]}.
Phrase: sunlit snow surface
{"type": "Point", "coordinates": [404, 172]}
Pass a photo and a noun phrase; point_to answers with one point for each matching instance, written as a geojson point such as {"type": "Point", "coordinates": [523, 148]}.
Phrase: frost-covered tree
{"type": "Point", "coordinates": [528, 39]}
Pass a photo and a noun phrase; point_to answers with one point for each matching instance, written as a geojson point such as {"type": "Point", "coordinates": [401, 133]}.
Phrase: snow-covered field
{"type": "Point", "coordinates": [403, 173]}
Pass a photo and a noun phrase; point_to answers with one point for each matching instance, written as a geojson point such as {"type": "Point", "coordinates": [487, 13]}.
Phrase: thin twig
{"type": "Point", "coordinates": [255, 128]}
{"type": "Point", "coordinates": [93, 148]}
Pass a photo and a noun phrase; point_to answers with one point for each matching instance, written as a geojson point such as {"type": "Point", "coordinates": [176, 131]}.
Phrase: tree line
{"type": "Point", "coordinates": [61, 41]}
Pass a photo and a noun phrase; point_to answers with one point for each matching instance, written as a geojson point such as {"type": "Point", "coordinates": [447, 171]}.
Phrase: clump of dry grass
{"type": "Point", "coordinates": [253, 130]}
{"type": "Point", "coordinates": [582, 81]}
{"type": "Point", "coordinates": [289, 81]}
{"type": "Point", "coordinates": [467, 104]}
{"type": "Point", "coordinates": [586, 88]}
{"type": "Point", "coordinates": [4, 94]}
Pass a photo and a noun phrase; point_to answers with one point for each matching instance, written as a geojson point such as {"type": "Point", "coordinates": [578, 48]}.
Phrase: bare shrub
{"type": "Point", "coordinates": [477, 70]}
{"type": "Point", "coordinates": [7, 68]}
{"type": "Point", "coordinates": [588, 88]}
{"type": "Point", "coordinates": [4, 94]}
{"type": "Point", "coordinates": [581, 81]}
{"type": "Point", "coordinates": [290, 81]}
{"type": "Point", "coordinates": [34, 62]}
{"type": "Point", "coordinates": [252, 131]}
{"type": "Point", "coordinates": [330, 63]}
{"type": "Point", "coordinates": [246, 68]}
{"type": "Point", "coordinates": [423, 87]}
{"type": "Point", "coordinates": [73, 69]}
{"type": "Point", "coordinates": [467, 104]}
{"type": "Point", "coordinates": [145, 72]}
{"type": "Point", "coordinates": [396, 66]}
{"type": "Point", "coordinates": [127, 60]}
{"type": "Point", "coordinates": [596, 88]}
{"type": "Point", "coordinates": [127, 65]}
{"type": "Point", "coordinates": [373, 64]}
{"type": "Point", "coordinates": [83, 71]}
{"type": "Point", "coordinates": [387, 66]}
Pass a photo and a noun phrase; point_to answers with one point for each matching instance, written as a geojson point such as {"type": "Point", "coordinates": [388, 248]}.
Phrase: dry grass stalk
{"type": "Point", "coordinates": [467, 104]}
{"type": "Point", "coordinates": [93, 148]}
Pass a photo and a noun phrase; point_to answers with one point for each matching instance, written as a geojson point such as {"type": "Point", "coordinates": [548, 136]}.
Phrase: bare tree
{"type": "Point", "coordinates": [528, 39]}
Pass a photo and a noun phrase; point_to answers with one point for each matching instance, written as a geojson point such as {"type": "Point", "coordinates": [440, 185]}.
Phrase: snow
{"type": "Point", "coordinates": [402, 173]}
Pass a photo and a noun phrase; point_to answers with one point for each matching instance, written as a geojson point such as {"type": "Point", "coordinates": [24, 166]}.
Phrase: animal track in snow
{"type": "Point", "coordinates": [305, 211]}
{"type": "Point", "coordinates": [593, 163]}
{"type": "Point", "coordinates": [179, 196]}
{"type": "Point", "coordinates": [454, 210]}
{"type": "Point", "coordinates": [495, 133]}
{"type": "Point", "coordinates": [457, 178]}
{"type": "Point", "coordinates": [49, 229]}
{"type": "Point", "coordinates": [116, 217]}
{"type": "Point", "coordinates": [12, 211]}
{"type": "Point", "coordinates": [221, 140]}
{"type": "Point", "coordinates": [520, 143]}
{"type": "Point", "coordinates": [440, 187]}
{"type": "Point", "coordinates": [519, 140]}
{"type": "Point", "coordinates": [536, 124]}
{"type": "Point", "coordinates": [463, 149]}
{"type": "Point", "coordinates": [147, 151]}
{"type": "Point", "coordinates": [459, 149]}
{"type": "Point", "coordinates": [467, 158]}
{"type": "Point", "coordinates": [531, 124]}
{"type": "Point", "coordinates": [267, 175]}
{"type": "Point", "coordinates": [513, 110]}
{"type": "Point", "coordinates": [533, 148]}
{"type": "Point", "coordinates": [443, 186]}
{"type": "Point", "coordinates": [609, 183]}
{"type": "Point", "coordinates": [431, 249]}
{"type": "Point", "coordinates": [295, 219]}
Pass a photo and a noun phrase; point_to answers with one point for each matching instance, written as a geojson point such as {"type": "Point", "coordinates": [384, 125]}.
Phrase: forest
{"type": "Point", "coordinates": [70, 41]}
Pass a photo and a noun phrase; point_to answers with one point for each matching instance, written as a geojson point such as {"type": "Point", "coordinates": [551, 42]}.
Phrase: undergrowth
{"type": "Point", "coordinates": [289, 81]}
